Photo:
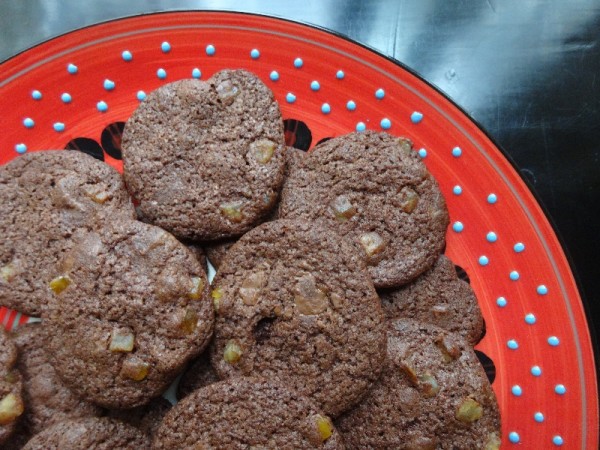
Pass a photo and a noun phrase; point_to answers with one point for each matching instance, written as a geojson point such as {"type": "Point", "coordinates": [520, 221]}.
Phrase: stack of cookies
{"type": "Point", "coordinates": [334, 320]}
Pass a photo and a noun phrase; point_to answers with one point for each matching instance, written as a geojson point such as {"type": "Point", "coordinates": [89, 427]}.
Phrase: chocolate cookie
{"type": "Point", "coordinates": [438, 297]}
{"type": "Point", "coordinates": [89, 433]}
{"type": "Point", "coordinates": [198, 252]}
{"type": "Point", "coordinates": [198, 374]}
{"type": "Point", "coordinates": [373, 189]}
{"type": "Point", "coordinates": [133, 310]}
{"type": "Point", "coordinates": [46, 196]}
{"type": "Point", "coordinates": [215, 251]}
{"type": "Point", "coordinates": [295, 304]}
{"type": "Point", "coordinates": [146, 418]}
{"type": "Point", "coordinates": [206, 159]}
{"type": "Point", "coordinates": [11, 399]}
{"type": "Point", "coordinates": [432, 394]}
{"type": "Point", "coordinates": [47, 399]}
{"type": "Point", "coordinates": [244, 413]}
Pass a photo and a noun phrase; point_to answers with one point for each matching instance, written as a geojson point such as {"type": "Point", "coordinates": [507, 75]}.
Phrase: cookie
{"type": "Point", "coordinates": [46, 196]}
{"type": "Point", "coordinates": [11, 398]}
{"type": "Point", "coordinates": [145, 418]}
{"type": "Point", "coordinates": [215, 251]}
{"type": "Point", "coordinates": [205, 159]}
{"type": "Point", "coordinates": [133, 310]}
{"type": "Point", "coordinates": [432, 394]}
{"type": "Point", "coordinates": [438, 297]}
{"type": "Point", "coordinates": [373, 189]}
{"type": "Point", "coordinates": [198, 374]}
{"type": "Point", "coordinates": [47, 399]}
{"type": "Point", "coordinates": [295, 304]}
{"type": "Point", "coordinates": [89, 433]}
{"type": "Point", "coordinates": [245, 413]}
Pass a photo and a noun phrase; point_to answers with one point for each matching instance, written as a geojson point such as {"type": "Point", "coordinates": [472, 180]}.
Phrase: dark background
{"type": "Point", "coordinates": [528, 71]}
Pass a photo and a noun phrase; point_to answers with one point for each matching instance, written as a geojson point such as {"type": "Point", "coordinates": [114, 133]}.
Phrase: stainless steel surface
{"type": "Point", "coordinates": [528, 71]}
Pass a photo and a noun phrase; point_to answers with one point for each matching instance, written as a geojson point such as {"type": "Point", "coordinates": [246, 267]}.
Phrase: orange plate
{"type": "Point", "coordinates": [537, 334]}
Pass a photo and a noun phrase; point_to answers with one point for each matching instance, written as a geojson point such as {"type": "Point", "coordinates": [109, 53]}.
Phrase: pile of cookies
{"type": "Point", "coordinates": [334, 320]}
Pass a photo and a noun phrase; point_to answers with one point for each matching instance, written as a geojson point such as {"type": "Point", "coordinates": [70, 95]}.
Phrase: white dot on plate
{"type": "Point", "coordinates": [553, 341]}
{"type": "Point", "coordinates": [196, 73]}
{"type": "Point", "coordinates": [274, 75]}
{"type": "Point", "coordinates": [457, 190]}
{"type": "Point", "coordinates": [325, 108]}
{"type": "Point", "coordinates": [314, 85]}
{"type": "Point", "coordinates": [20, 148]}
{"type": "Point", "coordinates": [141, 95]}
{"type": "Point", "coordinates": [385, 123]}
{"type": "Point", "coordinates": [536, 371]}
{"type": "Point", "coordinates": [350, 106]}
{"type": "Point", "coordinates": [514, 437]}
{"type": "Point", "coordinates": [102, 106]}
{"type": "Point", "coordinates": [492, 198]}
{"type": "Point", "coordinates": [501, 302]}
{"type": "Point", "coordinates": [65, 97]}
{"type": "Point", "coordinates": [456, 152]}
{"type": "Point", "coordinates": [165, 47]}
{"type": "Point", "coordinates": [458, 227]}
{"type": "Point", "coordinates": [538, 417]}
{"type": "Point", "coordinates": [254, 53]}
{"type": "Point", "coordinates": [530, 319]}
{"type": "Point", "coordinates": [422, 152]}
{"type": "Point", "coordinates": [36, 95]}
{"type": "Point", "coordinates": [161, 73]}
{"type": "Point", "coordinates": [512, 344]}
{"type": "Point", "coordinates": [519, 247]}
{"type": "Point", "coordinates": [360, 126]}
{"type": "Point", "coordinates": [109, 85]}
{"type": "Point", "coordinates": [298, 63]}
{"type": "Point", "coordinates": [379, 94]}
{"type": "Point", "coordinates": [484, 260]}
{"type": "Point", "coordinates": [58, 127]}
{"type": "Point", "coordinates": [72, 69]}
{"type": "Point", "coordinates": [340, 75]}
{"type": "Point", "coordinates": [126, 55]}
{"type": "Point", "coordinates": [290, 98]}
{"type": "Point", "coordinates": [210, 50]}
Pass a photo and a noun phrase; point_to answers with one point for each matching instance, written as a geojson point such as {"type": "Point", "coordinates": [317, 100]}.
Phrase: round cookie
{"type": "Point", "coordinates": [373, 189]}
{"type": "Point", "coordinates": [133, 310]}
{"type": "Point", "coordinates": [98, 433]}
{"type": "Point", "coordinates": [46, 196]}
{"type": "Point", "coordinates": [244, 413]}
{"type": "Point", "coordinates": [295, 305]}
{"type": "Point", "coordinates": [197, 375]}
{"type": "Point", "coordinates": [432, 394]}
{"type": "Point", "coordinates": [146, 418]}
{"type": "Point", "coordinates": [438, 297]}
{"type": "Point", "coordinates": [47, 399]}
{"type": "Point", "coordinates": [11, 398]}
{"type": "Point", "coordinates": [205, 160]}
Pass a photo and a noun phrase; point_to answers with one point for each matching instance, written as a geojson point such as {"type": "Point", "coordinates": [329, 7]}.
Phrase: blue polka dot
{"type": "Point", "coordinates": [141, 96]}
{"type": "Point", "coordinates": [274, 76]}
{"type": "Point", "coordinates": [514, 437]}
{"type": "Point", "coordinates": [161, 73]}
{"type": "Point", "coordinates": [290, 98]}
{"type": "Point", "coordinates": [536, 371]}
{"type": "Point", "coordinates": [36, 95]}
{"type": "Point", "coordinates": [457, 190]}
{"type": "Point", "coordinates": [20, 148]}
{"type": "Point", "coordinates": [530, 319]}
{"type": "Point", "coordinates": [519, 247]}
{"type": "Point", "coordinates": [126, 55]}
{"type": "Point", "coordinates": [325, 108]}
{"type": "Point", "coordinates": [491, 237]}
{"type": "Point", "coordinates": [66, 97]}
{"type": "Point", "coordinates": [422, 152]}
{"type": "Point", "coordinates": [512, 344]}
{"type": "Point", "coordinates": [102, 106]}
{"type": "Point", "coordinates": [456, 152]}
{"type": "Point", "coordinates": [165, 47]}
{"type": "Point", "coordinates": [340, 75]}
{"type": "Point", "coordinates": [492, 198]}
{"type": "Point", "coordinates": [72, 69]}
{"type": "Point", "coordinates": [458, 227]}
{"type": "Point", "coordinates": [514, 275]}
{"type": "Point", "coordinates": [416, 117]}
{"type": "Point", "coordinates": [254, 53]}
{"type": "Point", "coordinates": [360, 126]}
{"type": "Point", "coordinates": [557, 440]}
{"type": "Point", "coordinates": [542, 290]}
{"type": "Point", "coordinates": [196, 73]}
{"type": "Point", "coordinates": [538, 417]}
{"type": "Point", "coordinates": [385, 123]}
{"type": "Point", "coordinates": [28, 122]}
{"type": "Point", "coordinates": [379, 93]}
{"type": "Point", "coordinates": [350, 106]}
{"type": "Point", "coordinates": [484, 260]}
{"type": "Point", "coordinates": [560, 389]}
{"type": "Point", "coordinates": [553, 341]}
{"type": "Point", "coordinates": [315, 86]}
{"type": "Point", "coordinates": [59, 127]}
{"type": "Point", "coordinates": [109, 85]}
{"type": "Point", "coordinates": [298, 63]}
{"type": "Point", "coordinates": [516, 390]}
{"type": "Point", "coordinates": [210, 50]}
{"type": "Point", "coordinates": [501, 302]}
